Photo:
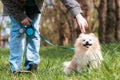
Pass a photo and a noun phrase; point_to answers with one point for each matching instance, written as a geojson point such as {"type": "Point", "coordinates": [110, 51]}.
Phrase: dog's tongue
{"type": "Point", "coordinates": [87, 46]}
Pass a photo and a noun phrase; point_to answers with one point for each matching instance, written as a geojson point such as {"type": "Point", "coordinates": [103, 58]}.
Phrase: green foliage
{"type": "Point", "coordinates": [51, 66]}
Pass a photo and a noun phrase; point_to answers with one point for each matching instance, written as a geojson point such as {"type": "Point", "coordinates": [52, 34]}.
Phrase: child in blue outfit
{"type": "Point", "coordinates": [23, 13]}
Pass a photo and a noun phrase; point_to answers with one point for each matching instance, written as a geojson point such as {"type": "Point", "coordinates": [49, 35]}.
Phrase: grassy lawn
{"type": "Point", "coordinates": [51, 66]}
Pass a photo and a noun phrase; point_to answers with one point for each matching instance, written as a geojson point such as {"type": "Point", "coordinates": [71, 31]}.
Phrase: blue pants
{"type": "Point", "coordinates": [17, 46]}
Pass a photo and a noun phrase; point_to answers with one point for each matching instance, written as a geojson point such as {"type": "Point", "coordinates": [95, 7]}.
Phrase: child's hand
{"type": "Point", "coordinates": [26, 21]}
{"type": "Point", "coordinates": [81, 22]}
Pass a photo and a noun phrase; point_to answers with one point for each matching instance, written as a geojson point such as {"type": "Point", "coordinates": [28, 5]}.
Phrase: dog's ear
{"type": "Point", "coordinates": [92, 34]}
{"type": "Point", "coordinates": [82, 34]}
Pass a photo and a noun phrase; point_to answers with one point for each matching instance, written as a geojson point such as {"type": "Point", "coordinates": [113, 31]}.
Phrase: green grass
{"type": "Point", "coordinates": [51, 66]}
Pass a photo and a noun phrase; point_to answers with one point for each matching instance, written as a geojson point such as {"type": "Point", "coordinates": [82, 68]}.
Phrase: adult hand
{"type": "Point", "coordinates": [26, 21]}
{"type": "Point", "coordinates": [81, 22]}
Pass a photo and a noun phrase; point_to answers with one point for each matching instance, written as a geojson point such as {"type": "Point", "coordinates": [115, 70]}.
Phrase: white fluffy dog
{"type": "Point", "coordinates": [87, 54]}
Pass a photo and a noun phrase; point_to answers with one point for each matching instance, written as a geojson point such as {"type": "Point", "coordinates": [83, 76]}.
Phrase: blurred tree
{"type": "Point", "coordinates": [50, 3]}
{"type": "Point", "coordinates": [55, 24]}
{"type": "Point", "coordinates": [62, 23]}
{"type": "Point", "coordinates": [117, 2]}
{"type": "Point", "coordinates": [111, 22]}
{"type": "Point", "coordinates": [102, 13]}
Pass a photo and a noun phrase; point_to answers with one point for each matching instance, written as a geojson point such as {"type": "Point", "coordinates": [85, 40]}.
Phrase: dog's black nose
{"type": "Point", "coordinates": [87, 42]}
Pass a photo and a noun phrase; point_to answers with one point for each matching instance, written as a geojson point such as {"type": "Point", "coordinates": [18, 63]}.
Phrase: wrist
{"type": "Point", "coordinates": [78, 16]}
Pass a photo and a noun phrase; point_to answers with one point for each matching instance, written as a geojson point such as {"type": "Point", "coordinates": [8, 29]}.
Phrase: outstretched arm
{"type": "Point", "coordinates": [74, 7]}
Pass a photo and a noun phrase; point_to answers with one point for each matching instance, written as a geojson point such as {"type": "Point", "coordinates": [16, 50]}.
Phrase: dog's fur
{"type": "Point", "coordinates": [87, 54]}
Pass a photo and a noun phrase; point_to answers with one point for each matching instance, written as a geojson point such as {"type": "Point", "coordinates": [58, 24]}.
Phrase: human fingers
{"type": "Point", "coordinates": [81, 22]}
{"type": "Point", "coordinates": [82, 28]}
{"type": "Point", "coordinates": [26, 21]}
{"type": "Point", "coordinates": [86, 24]}
{"type": "Point", "coordinates": [29, 19]}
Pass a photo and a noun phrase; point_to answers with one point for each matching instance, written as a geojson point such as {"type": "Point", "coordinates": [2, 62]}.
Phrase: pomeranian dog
{"type": "Point", "coordinates": [87, 54]}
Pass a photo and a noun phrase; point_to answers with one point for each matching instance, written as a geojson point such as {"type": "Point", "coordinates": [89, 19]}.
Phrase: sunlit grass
{"type": "Point", "coordinates": [51, 66]}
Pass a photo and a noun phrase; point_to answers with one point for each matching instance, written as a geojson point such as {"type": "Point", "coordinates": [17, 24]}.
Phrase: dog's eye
{"type": "Point", "coordinates": [90, 40]}
{"type": "Point", "coordinates": [83, 39]}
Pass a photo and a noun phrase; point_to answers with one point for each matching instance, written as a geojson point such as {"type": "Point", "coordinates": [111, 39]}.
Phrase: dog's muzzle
{"type": "Point", "coordinates": [87, 44]}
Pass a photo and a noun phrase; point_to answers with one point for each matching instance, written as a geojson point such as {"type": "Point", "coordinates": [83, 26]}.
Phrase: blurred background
{"type": "Point", "coordinates": [60, 27]}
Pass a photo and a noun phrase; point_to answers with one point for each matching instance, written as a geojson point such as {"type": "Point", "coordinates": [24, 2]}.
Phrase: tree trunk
{"type": "Point", "coordinates": [1, 31]}
{"type": "Point", "coordinates": [111, 21]}
{"type": "Point", "coordinates": [102, 9]}
{"type": "Point", "coordinates": [117, 34]}
{"type": "Point", "coordinates": [62, 22]}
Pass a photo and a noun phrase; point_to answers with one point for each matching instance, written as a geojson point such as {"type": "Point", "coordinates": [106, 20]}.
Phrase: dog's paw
{"type": "Point", "coordinates": [66, 64]}
{"type": "Point", "coordinates": [67, 70]}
